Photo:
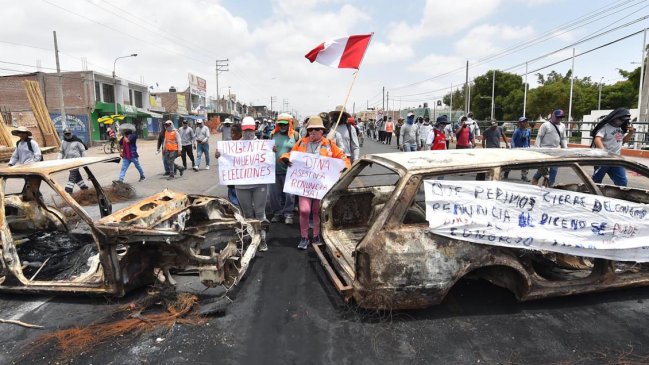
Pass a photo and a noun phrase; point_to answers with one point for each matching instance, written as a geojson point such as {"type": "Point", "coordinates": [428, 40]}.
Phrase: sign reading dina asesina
{"type": "Point", "coordinates": [312, 175]}
{"type": "Point", "coordinates": [245, 162]}
{"type": "Point", "coordinates": [526, 216]}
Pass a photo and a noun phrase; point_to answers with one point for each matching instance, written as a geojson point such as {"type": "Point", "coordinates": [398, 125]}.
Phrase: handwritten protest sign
{"type": "Point", "coordinates": [312, 175]}
{"type": "Point", "coordinates": [526, 216]}
{"type": "Point", "coordinates": [246, 162]}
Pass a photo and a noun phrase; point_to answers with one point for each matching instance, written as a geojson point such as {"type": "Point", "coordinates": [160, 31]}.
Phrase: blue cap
{"type": "Point", "coordinates": [442, 119]}
{"type": "Point", "coordinates": [558, 113]}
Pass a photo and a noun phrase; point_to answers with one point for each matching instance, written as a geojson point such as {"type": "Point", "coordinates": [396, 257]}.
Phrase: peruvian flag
{"type": "Point", "coordinates": [344, 52]}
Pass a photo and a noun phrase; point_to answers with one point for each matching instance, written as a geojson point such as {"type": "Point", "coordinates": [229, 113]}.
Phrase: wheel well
{"type": "Point", "coordinates": [505, 277]}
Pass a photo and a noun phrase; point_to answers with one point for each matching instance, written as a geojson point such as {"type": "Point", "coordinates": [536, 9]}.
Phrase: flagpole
{"type": "Point", "coordinates": [332, 131]}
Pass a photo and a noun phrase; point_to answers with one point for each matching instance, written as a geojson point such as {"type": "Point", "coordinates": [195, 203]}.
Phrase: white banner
{"type": "Point", "coordinates": [246, 162]}
{"type": "Point", "coordinates": [312, 175]}
{"type": "Point", "coordinates": [527, 216]}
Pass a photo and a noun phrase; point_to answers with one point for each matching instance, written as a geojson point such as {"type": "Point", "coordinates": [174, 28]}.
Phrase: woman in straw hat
{"type": "Point", "coordinates": [27, 150]}
{"type": "Point", "coordinates": [315, 143]}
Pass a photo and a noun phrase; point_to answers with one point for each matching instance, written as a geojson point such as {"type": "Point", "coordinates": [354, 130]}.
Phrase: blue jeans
{"type": "Point", "coordinates": [200, 149]}
{"type": "Point", "coordinates": [165, 164]}
{"type": "Point", "coordinates": [126, 163]}
{"type": "Point", "coordinates": [616, 173]}
{"type": "Point", "coordinates": [552, 175]}
{"type": "Point", "coordinates": [232, 195]}
{"type": "Point", "coordinates": [409, 147]}
{"type": "Point", "coordinates": [281, 203]}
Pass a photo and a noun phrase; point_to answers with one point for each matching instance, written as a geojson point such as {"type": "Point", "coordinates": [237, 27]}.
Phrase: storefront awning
{"type": "Point", "coordinates": [141, 112]}
{"type": "Point", "coordinates": [109, 108]}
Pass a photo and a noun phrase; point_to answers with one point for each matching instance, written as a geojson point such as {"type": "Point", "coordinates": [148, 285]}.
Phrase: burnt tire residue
{"type": "Point", "coordinates": [68, 254]}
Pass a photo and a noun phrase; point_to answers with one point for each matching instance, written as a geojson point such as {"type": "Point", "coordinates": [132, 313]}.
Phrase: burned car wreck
{"type": "Point", "coordinates": [380, 249]}
{"type": "Point", "coordinates": [58, 247]}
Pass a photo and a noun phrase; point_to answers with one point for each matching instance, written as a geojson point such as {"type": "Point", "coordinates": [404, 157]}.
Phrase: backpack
{"type": "Point", "coordinates": [29, 145]}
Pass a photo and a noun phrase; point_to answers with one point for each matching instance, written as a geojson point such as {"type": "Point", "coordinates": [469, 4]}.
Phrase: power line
{"type": "Point", "coordinates": [543, 37]}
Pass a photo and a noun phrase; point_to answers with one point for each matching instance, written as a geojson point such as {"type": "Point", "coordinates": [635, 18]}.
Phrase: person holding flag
{"type": "Point", "coordinates": [315, 143]}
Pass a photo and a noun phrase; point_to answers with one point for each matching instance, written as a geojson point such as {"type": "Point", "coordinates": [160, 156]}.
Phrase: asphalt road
{"type": "Point", "coordinates": [285, 311]}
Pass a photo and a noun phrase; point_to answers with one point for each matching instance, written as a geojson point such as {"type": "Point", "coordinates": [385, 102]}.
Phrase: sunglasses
{"type": "Point", "coordinates": [315, 130]}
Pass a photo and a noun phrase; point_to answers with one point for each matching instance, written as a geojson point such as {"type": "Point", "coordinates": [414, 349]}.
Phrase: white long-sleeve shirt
{"type": "Point", "coordinates": [23, 155]}
{"type": "Point", "coordinates": [202, 134]}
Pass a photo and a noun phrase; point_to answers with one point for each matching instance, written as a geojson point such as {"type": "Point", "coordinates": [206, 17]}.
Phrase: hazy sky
{"type": "Point", "coordinates": [266, 41]}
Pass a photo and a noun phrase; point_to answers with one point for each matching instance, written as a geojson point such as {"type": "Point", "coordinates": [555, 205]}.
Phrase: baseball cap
{"type": "Point", "coordinates": [227, 121]}
{"type": "Point", "coordinates": [67, 131]}
{"type": "Point", "coordinates": [411, 114]}
{"type": "Point", "coordinates": [168, 122]}
{"type": "Point", "coordinates": [522, 119]}
{"type": "Point", "coordinates": [199, 121]}
{"type": "Point", "coordinates": [248, 124]}
{"type": "Point", "coordinates": [282, 121]}
{"type": "Point", "coordinates": [558, 113]}
{"type": "Point", "coordinates": [493, 122]}
{"type": "Point", "coordinates": [442, 119]}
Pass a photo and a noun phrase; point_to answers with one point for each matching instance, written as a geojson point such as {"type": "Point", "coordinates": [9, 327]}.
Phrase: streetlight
{"type": "Point", "coordinates": [115, 80]}
{"type": "Point", "coordinates": [599, 98]}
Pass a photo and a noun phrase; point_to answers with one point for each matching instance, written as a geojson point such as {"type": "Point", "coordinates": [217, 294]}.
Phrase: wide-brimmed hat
{"type": "Point", "coordinates": [315, 122]}
{"type": "Point", "coordinates": [227, 121]}
{"type": "Point", "coordinates": [20, 130]}
{"type": "Point", "coordinates": [333, 115]}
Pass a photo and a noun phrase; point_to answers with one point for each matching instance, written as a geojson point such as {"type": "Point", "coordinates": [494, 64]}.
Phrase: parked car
{"type": "Point", "coordinates": [49, 243]}
{"type": "Point", "coordinates": [379, 248]}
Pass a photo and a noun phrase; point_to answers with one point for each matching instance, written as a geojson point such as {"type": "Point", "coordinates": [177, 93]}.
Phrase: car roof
{"type": "Point", "coordinates": [423, 161]}
{"type": "Point", "coordinates": [51, 166]}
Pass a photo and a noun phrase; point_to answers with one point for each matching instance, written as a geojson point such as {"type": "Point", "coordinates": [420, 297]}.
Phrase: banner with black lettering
{"type": "Point", "coordinates": [312, 175]}
{"type": "Point", "coordinates": [246, 162]}
{"type": "Point", "coordinates": [529, 217]}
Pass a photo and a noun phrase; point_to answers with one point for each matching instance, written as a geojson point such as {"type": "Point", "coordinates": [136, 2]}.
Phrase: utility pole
{"type": "Point", "coordinates": [599, 96]}
{"type": "Point", "coordinates": [450, 107]}
{"type": "Point", "coordinates": [272, 100]}
{"type": "Point", "coordinates": [466, 89]}
{"type": "Point", "coordinates": [493, 95]}
{"type": "Point", "coordinates": [642, 96]}
{"type": "Point", "coordinates": [572, 82]}
{"type": "Point", "coordinates": [525, 92]}
{"type": "Point", "coordinates": [383, 97]}
{"type": "Point", "coordinates": [58, 72]}
{"type": "Point", "coordinates": [387, 99]}
{"type": "Point", "coordinates": [354, 108]}
{"type": "Point", "coordinates": [221, 66]}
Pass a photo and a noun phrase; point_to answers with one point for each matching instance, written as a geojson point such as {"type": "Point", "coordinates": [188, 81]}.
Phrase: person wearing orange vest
{"type": "Point", "coordinates": [171, 149]}
{"type": "Point", "coordinates": [389, 129]}
{"type": "Point", "coordinates": [314, 143]}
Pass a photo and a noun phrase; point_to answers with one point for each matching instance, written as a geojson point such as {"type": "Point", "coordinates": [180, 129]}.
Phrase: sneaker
{"type": "Point", "coordinates": [525, 179]}
{"type": "Point", "coordinates": [304, 243]}
{"type": "Point", "coordinates": [207, 167]}
{"type": "Point", "coordinates": [195, 168]}
{"type": "Point", "coordinates": [276, 218]}
{"type": "Point", "coordinates": [166, 174]}
{"type": "Point", "coordinates": [182, 171]}
{"type": "Point", "coordinates": [288, 220]}
{"type": "Point", "coordinates": [263, 246]}
{"type": "Point", "coordinates": [315, 240]}
{"type": "Point", "coordinates": [142, 179]}
{"type": "Point", "coordinates": [171, 177]}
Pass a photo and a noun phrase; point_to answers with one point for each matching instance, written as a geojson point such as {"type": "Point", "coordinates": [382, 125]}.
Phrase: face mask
{"type": "Point", "coordinates": [248, 135]}
{"type": "Point", "coordinates": [283, 128]}
{"type": "Point", "coordinates": [410, 120]}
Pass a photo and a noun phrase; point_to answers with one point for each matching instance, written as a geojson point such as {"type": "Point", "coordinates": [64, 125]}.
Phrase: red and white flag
{"type": "Point", "coordinates": [344, 52]}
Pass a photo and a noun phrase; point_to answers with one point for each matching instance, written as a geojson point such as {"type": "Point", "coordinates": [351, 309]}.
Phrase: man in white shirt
{"type": "Point", "coordinates": [202, 136]}
{"type": "Point", "coordinates": [613, 131]}
{"type": "Point", "coordinates": [552, 134]}
{"type": "Point", "coordinates": [473, 126]}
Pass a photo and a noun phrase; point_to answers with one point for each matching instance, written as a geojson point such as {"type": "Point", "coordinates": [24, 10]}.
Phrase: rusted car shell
{"type": "Point", "coordinates": [136, 245]}
{"type": "Point", "coordinates": [388, 265]}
